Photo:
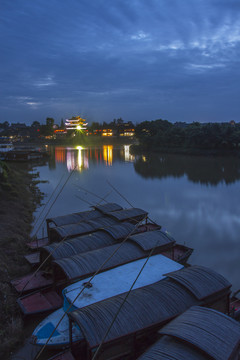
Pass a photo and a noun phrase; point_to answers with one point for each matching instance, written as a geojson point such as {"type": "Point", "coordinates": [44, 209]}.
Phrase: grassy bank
{"type": "Point", "coordinates": [19, 197]}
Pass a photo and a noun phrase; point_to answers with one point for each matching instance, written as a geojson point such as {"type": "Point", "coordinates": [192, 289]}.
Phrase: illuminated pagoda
{"type": "Point", "coordinates": [75, 123]}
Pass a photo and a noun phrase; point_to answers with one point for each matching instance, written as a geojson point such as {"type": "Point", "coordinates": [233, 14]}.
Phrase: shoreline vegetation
{"type": "Point", "coordinates": [211, 139]}
{"type": "Point", "coordinates": [19, 197]}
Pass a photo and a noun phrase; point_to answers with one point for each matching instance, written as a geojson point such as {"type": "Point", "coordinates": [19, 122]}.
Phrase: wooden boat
{"type": "Point", "coordinates": [158, 304]}
{"type": "Point", "coordinates": [104, 285]}
{"type": "Point", "coordinates": [68, 270]}
{"type": "Point", "coordinates": [25, 153]}
{"type": "Point", "coordinates": [45, 300]}
{"type": "Point", "coordinates": [199, 333]}
{"type": "Point", "coordinates": [37, 243]}
{"type": "Point", "coordinates": [33, 281]}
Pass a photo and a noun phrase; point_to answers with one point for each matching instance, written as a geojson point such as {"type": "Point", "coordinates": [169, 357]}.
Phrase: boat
{"type": "Point", "coordinates": [234, 310]}
{"type": "Point", "coordinates": [199, 333]}
{"type": "Point", "coordinates": [66, 270]}
{"type": "Point", "coordinates": [157, 304]}
{"type": "Point", "coordinates": [104, 285]}
{"type": "Point", "coordinates": [25, 153]}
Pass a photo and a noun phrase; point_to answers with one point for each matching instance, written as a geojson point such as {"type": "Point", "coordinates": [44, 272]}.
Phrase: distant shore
{"type": "Point", "coordinates": [83, 141]}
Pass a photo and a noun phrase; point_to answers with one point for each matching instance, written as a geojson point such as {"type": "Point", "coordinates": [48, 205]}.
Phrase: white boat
{"type": "Point", "coordinates": [104, 285]}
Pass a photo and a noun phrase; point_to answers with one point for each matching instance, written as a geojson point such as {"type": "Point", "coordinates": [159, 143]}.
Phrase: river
{"type": "Point", "coordinates": [195, 198]}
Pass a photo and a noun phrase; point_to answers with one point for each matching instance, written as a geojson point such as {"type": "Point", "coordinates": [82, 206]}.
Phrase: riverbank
{"type": "Point", "coordinates": [19, 197]}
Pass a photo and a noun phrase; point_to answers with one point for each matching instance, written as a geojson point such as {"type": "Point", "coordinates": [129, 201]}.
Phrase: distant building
{"type": "Point", "coordinates": [75, 123]}
{"type": "Point", "coordinates": [107, 132]}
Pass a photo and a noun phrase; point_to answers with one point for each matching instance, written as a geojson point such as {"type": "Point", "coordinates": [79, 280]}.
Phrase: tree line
{"type": "Point", "coordinates": [159, 134]}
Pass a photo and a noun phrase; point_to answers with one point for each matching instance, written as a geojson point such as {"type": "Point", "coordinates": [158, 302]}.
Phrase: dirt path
{"type": "Point", "coordinates": [19, 197]}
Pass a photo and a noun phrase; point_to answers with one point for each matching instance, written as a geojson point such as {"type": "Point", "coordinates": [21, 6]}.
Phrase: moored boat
{"type": "Point", "coordinates": [198, 334]}
{"type": "Point", "coordinates": [125, 333]}
{"type": "Point", "coordinates": [104, 285]}
{"type": "Point", "coordinates": [66, 270]}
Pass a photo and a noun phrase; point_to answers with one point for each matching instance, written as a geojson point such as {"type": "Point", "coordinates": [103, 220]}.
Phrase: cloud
{"type": "Point", "coordinates": [45, 82]}
{"type": "Point", "coordinates": [140, 35]}
{"type": "Point", "coordinates": [204, 67]}
{"type": "Point", "coordinates": [34, 105]}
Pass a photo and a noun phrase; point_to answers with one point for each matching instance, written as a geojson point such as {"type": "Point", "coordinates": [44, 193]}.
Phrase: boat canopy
{"type": "Point", "coordinates": [72, 230]}
{"type": "Point", "coordinates": [133, 214]}
{"type": "Point", "coordinates": [210, 331]}
{"type": "Point", "coordinates": [75, 218]}
{"type": "Point", "coordinates": [169, 348]}
{"type": "Point", "coordinates": [78, 245]}
{"type": "Point", "coordinates": [152, 239]}
{"type": "Point", "coordinates": [120, 231]}
{"type": "Point", "coordinates": [87, 263]}
{"type": "Point", "coordinates": [199, 280]}
{"type": "Point", "coordinates": [109, 207]}
{"type": "Point", "coordinates": [145, 308]}
{"type": "Point", "coordinates": [84, 243]}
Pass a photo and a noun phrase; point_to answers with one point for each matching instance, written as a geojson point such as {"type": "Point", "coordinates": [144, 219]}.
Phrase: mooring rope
{"type": "Point", "coordinates": [56, 199]}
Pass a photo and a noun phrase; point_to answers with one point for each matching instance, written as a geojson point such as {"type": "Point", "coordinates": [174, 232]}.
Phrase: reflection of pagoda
{"type": "Point", "coordinates": [75, 123]}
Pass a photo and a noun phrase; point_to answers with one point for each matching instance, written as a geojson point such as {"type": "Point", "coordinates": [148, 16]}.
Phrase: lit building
{"type": "Point", "coordinates": [107, 132]}
{"type": "Point", "coordinates": [75, 123]}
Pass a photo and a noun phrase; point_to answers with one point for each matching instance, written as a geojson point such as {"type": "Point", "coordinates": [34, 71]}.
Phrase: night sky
{"type": "Point", "coordinates": [104, 59]}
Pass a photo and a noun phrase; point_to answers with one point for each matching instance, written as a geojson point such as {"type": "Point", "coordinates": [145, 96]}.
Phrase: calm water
{"type": "Point", "coordinates": [195, 198]}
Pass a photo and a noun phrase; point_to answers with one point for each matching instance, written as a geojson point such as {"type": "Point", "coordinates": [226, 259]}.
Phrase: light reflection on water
{"type": "Point", "coordinates": [195, 198]}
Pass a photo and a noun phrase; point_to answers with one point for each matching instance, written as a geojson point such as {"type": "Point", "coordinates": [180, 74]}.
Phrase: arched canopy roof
{"type": "Point", "coordinates": [108, 207]}
{"type": "Point", "coordinates": [172, 349]}
{"type": "Point", "coordinates": [152, 239]}
{"type": "Point", "coordinates": [99, 211]}
{"type": "Point", "coordinates": [87, 263]}
{"type": "Point", "coordinates": [72, 230]}
{"type": "Point", "coordinates": [79, 244]}
{"type": "Point", "coordinates": [133, 214]}
{"type": "Point", "coordinates": [144, 308]}
{"type": "Point", "coordinates": [200, 280]}
{"type": "Point", "coordinates": [210, 331]}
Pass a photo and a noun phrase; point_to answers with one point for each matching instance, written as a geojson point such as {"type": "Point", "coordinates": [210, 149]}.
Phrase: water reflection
{"type": "Point", "coordinates": [195, 198]}
{"type": "Point", "coordinates": [128, 157]}
{"type": "Point", "coordinates": [203, 170]}
{"type": "Point", "coordinates": [79, 158]}
{"type": "Point", "coordinates": [108, 154]}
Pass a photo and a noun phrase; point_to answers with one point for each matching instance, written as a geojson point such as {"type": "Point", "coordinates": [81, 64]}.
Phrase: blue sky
{"type": "Point", "coordinates": [103, 59]}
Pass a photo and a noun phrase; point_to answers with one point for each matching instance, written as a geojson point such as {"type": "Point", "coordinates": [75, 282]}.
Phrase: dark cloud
{"type": "Point", "coordinates": [141, 60]}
